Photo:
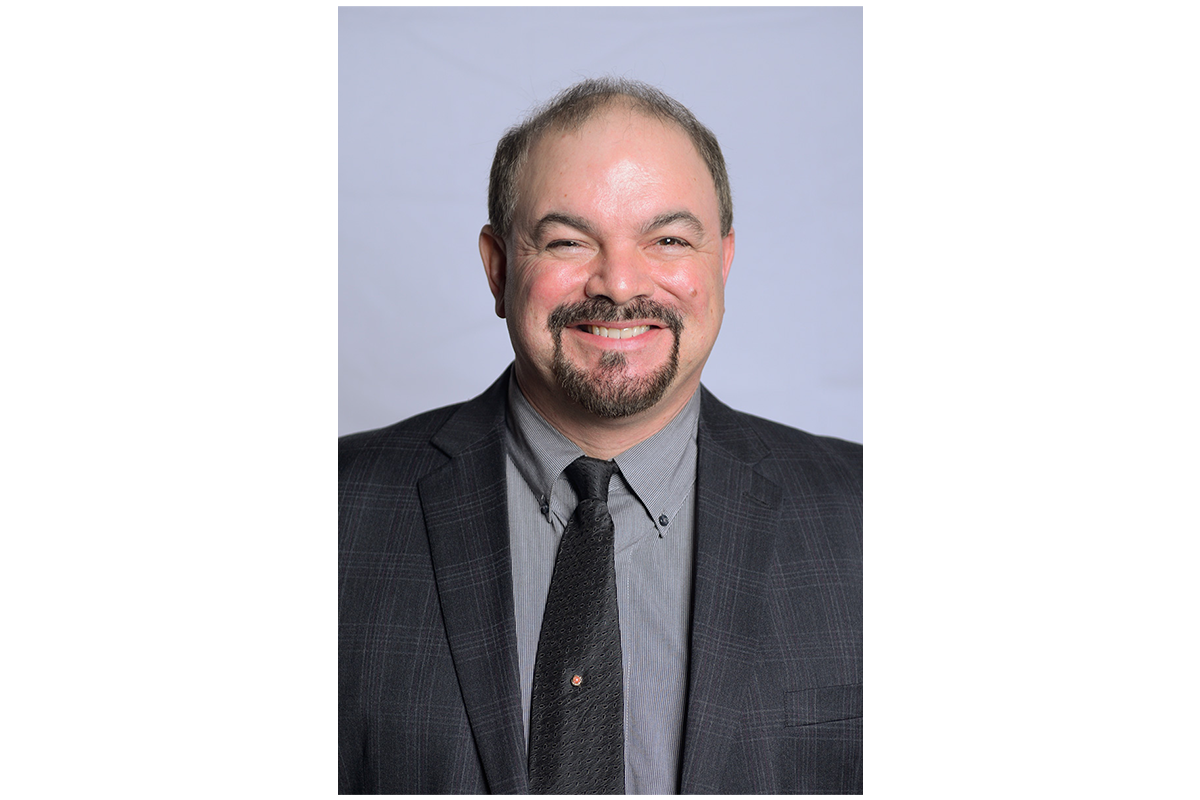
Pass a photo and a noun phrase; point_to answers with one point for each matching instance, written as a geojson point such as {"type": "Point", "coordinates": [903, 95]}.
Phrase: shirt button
{"type": "Point", "coordinates": [662, 519]}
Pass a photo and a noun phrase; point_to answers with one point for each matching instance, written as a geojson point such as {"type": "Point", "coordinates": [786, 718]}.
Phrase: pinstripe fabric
{"type": "Point", "coordinates": [429, 687]}
{"type": "Point", "coordinates": [654, 575]}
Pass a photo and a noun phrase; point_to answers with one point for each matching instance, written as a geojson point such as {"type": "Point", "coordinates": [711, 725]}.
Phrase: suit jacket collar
{"type": "Point", "coordinates": [465, 508]}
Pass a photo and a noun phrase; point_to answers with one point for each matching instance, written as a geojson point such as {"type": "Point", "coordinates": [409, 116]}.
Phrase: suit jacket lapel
{"type": "Point", "coordinates": [465, 511]}
{"type": "Point", "coordinates": [735, 529]}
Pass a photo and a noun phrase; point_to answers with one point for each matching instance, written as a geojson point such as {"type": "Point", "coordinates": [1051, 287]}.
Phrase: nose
{"type": "Point", "coordinates": [620, 275]}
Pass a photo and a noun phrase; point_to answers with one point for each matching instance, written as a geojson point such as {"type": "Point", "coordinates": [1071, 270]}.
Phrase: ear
{"type": "Point", "coordinates": [495, 264]}
{"type": "Point", "coordinates": [726, 256]}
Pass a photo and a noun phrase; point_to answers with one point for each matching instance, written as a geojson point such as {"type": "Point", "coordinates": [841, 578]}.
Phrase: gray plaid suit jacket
{"type": "Point", "coordinates": [428, 694]}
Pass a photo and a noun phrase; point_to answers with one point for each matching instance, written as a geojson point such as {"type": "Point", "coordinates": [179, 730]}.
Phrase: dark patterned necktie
{"type": "Point", "coordinates": [576, 721]}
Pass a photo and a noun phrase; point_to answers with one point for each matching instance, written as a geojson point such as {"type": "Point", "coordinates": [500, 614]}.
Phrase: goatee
{"type": "Point", "coordinates": [607, 391]}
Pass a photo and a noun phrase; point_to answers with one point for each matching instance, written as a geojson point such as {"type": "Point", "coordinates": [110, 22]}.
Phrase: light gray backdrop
{"type": "Point", "coordinates": [425, 93]}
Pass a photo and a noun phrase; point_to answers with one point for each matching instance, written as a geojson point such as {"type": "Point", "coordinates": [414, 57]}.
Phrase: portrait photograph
{"type": "Point", "coordinates": [569, 562]}
{"type": "Point", "coordinates": [595, 294]}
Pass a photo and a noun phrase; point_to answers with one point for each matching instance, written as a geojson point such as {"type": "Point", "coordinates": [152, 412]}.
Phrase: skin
{"type": "Point", "coordinates": [622, 208]}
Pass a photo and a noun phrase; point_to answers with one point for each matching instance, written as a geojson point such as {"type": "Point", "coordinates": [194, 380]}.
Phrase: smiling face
{"type": "Point", "coordinates": [613, 279]}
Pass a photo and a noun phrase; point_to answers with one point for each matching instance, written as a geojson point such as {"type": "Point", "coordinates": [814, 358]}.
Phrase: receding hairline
{"type": "Point", "coordinates": [575, 107]}
{"type": "Point", "coordinates": [603, 107]}
{"type": "Point", "coordinates": [608, 106]}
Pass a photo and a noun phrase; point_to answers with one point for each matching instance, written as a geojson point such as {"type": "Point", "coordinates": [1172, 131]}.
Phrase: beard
{"type": "Point", "coordinates": [607, 391]}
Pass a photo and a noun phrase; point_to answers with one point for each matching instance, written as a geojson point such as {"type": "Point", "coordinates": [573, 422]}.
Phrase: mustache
{"type": "Point", "coordinates": [601, 309]}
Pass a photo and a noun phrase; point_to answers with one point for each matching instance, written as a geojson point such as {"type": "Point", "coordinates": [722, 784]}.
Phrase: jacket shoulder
{"type": "Point", "coordinates": [414, 430]}
{"type": "Point", "coordinates": [383, 455]}
{"type": "Point", "coordinates": [790, 443]}
{"type": "Point", "coordinates": [781, 449]}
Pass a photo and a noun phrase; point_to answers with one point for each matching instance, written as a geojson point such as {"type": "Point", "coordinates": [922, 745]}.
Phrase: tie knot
{"type": "Point", "coordinates": [589, 477]}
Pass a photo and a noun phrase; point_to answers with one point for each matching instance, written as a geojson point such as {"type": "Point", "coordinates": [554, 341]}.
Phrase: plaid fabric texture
{"type": "Point", "coordinates": [429, 700]}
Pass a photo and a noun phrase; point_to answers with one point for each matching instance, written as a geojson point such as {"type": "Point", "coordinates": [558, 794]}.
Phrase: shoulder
{"type": "Point", "coordinates": [813, 483]}
{"type": "Point", "coordinates": [381, 472]}
{"type": "Point", "coordinates": [792, 444]}
{"type": "Point", "coordinates": [422, 442]}
{"type": "Point", "coordinates": [780, 448]}
{"type": "Point", "coordinates": [395, 455]}
{"type": "Point", "coordinates": [413, 432]}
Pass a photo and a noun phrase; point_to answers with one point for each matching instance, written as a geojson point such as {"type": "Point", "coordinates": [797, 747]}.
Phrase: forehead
{"type": "Point", "coordinates": [619, 153]}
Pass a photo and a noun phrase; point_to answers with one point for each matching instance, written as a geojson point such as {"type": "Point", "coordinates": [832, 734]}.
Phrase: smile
{"type": "Point", "coordinates": [616, 333]}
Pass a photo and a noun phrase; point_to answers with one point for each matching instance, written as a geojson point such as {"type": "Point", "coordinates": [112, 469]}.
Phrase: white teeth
{"type": "Point", "coordinates": [618, 333]}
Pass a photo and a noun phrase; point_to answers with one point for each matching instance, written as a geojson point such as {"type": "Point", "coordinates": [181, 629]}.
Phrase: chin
{"type": "Point", "coordinates": [608, 390]}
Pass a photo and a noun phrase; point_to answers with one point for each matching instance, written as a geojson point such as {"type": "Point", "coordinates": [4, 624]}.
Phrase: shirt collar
{"type": "Point", "coordinates": [660, 471]}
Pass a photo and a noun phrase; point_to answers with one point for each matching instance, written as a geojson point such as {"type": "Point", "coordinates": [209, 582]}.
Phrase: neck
{"type": "Point", "coordinates": [603, 438]}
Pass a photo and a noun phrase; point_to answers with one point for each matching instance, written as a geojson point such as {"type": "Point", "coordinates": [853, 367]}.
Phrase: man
{"type": "Point", "coordinates": [595, 577]}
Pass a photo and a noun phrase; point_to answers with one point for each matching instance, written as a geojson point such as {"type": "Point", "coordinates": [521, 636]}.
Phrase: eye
{"type": "Point", "coordinates": [672, 241]}
{"type": "Point", "coordinates": [560, 243]}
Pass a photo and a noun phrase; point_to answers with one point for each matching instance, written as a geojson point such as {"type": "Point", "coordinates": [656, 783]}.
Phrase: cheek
{"type": "Point", "coordinates": [701, 299]}
{"type": "Point", "coordinates": [543, 292]}
{"type": "Point", "coordinates": [533, 301]}
{"type": "Point", "coordinates": [694, 283]}
{"type": "Point", "coordinates": [706, 305]}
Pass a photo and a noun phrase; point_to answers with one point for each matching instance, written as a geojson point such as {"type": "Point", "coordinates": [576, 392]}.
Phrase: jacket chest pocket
{"type": "Point", "coordinates": [824, 704]}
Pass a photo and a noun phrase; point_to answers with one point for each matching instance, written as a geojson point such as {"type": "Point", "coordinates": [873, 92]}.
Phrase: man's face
{"type": "Point", "coordinates": [613, 279]}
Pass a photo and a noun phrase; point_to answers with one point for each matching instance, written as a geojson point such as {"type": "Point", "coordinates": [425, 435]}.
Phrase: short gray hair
{"type": "Point", "coordinates": [570, 109]}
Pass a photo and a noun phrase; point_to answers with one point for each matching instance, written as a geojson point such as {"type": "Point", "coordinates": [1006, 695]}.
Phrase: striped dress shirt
{"type": "Point", "coordinates": [652, 501]}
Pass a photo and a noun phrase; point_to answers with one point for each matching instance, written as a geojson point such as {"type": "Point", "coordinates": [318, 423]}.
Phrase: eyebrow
{"type": "Point", "coordinates": [688, 219]}
{"type": "Point", "coordinates": [555, 218]}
